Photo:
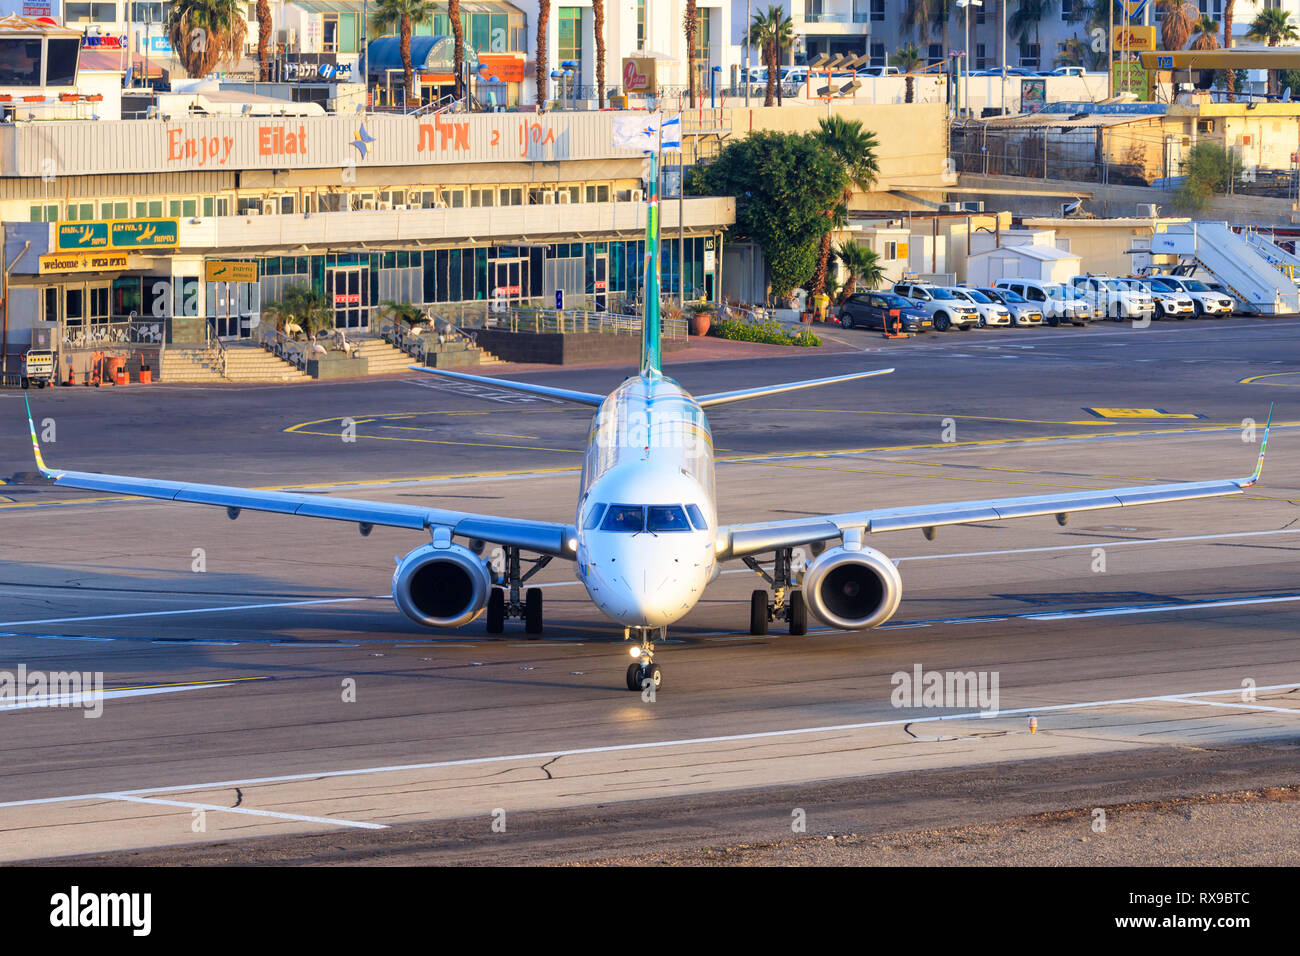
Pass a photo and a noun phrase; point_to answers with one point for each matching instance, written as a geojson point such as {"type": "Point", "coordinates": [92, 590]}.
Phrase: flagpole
{"type": "Point", "coordinates": [681, 193]}
{"type": "Point", "coordinates": [650, 312]}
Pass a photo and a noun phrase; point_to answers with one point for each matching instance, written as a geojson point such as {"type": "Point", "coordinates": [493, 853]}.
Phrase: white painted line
{"type": "Point", "coordinates": [1097, 544]}
{"type": "Point", "coordinates": [131, 798]}
{"type": "Point", "coordinates": [1156, 609]}
{"type": "Point", "coordinates": [1215, 703]}
{"type": "Point", "coordinates": [34, 702]}
{"type": "Point", "coordinates": [651, 745]}
{"type": "Point", "coordinates": [193, 610]}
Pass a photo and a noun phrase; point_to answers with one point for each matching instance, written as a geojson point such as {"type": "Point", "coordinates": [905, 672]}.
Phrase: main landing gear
{"type": "Point", "coordinates": [644, 667]}
{"type": "Point", "coordinates": [502, 605]}
{"type": "Point", "coordinates": [786, 602]}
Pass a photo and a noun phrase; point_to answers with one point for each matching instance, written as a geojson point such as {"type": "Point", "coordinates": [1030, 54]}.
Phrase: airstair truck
{"type": "Point", "coordinates": [1258, 284]}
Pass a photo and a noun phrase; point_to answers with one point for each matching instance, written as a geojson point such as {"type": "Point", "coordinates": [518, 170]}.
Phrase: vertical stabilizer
{"type": "Point", "coordinates": [650, 351]}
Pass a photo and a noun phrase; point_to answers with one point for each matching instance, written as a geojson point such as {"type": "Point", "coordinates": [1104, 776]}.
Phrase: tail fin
{"type": "Point", "coordinates": [650, 351]}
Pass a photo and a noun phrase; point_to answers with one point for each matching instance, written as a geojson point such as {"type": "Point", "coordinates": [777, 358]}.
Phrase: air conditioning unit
{"type": "Point", "coordinates": [950, 207]}
{"type": "Point", "coordinates": [972, 206]}
{"type": "Point", "coordinates": [548, 199]}
{"type": "Point", "coordinates": [287, 38]}
{"type": "Point", "coordinates": [400, 205]}
{"type": "Point", "coordinates": [563, 197]}
{"type": "Point", "coordinates": [269, 207]}
{"type": "Point", "coordinates": [368, 204]}
{"type": "Point", "coordinates": [638, 195]}
{"type": "Point", "coordinates": [253, 211]}
{"type": "Point", "coordinates": [1146, 210]}
{"type": "Point", "coordinates": [384, 204]}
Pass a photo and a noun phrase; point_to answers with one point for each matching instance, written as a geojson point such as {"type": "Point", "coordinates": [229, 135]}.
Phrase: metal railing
{"type": "Point", "coordinates": [119, 330]}
{"type": "Point", "coordinates": [569, 321]}
{"type": "Point", "coordinates": [281, 345]}
{"type": "Point", "coordinates": [212, 342]}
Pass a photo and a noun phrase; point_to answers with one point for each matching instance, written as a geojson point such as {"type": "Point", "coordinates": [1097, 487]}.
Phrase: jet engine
{"type": "Point", "coordinates": [855, 590]}
{"type": "Point", "coordinates": [441, 587]}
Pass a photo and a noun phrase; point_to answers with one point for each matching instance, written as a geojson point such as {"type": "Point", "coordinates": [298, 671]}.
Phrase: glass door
{"type": "Point", "coordinates": [349, 289]}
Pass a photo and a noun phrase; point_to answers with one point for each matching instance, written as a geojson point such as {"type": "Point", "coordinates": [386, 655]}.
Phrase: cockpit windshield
{"type": "Point", "coordinates": [652, 518]}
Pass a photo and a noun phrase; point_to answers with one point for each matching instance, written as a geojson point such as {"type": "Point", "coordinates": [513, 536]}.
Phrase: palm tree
{"type": "Point", "coordinates": [764, 34]}
{"type": "Point", "coordinates": [401, 14]}
{"type": "Point", "coordinates": [855, 150]}
{"type": "Point", "coordinates": [205, 32]}
{"type": "Point", "coordinates": [917, 16]}
{"type": "Point", "coordinates": [301, 306]}
{"type": "Point", "coordinates": [543, 18]}
{"type": "Point", "coordinates": [862, 265]}
{"type": "Point", "coordinates": [1231, 79]}
{"type": "Point", "coordinates": [1272, 25]}
{"type": "Point", "coordinates": [458, 38]}
{"type": "Point", "coordinates": [1177, 26]}
{"type": "Point", "coordinates": [1207, 34]}
{"type": "Point", "coordinates": [1025, 21]}
{"type": "Point", "coordinates": [691, 23]}
{"type": "Point", "coordinates": [942, 13]}
{"type": "Point", "coordinates": [264, 27]}
{"type": "Point", "coordinates": [907, 58]}
{"type": "Point", "coordinates": [598, 21]}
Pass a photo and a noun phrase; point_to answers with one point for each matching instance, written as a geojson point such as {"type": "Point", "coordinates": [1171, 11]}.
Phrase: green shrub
{"type": "Point", "coordinates": [766, 331]}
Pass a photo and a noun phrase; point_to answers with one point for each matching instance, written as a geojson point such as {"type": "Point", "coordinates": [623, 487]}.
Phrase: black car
{"type": "Point", "coordinates": [871, 310]}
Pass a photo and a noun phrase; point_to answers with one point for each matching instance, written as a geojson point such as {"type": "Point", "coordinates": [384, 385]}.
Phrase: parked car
{"type": "Point", "coordinates": [1023, 312]}
{"type": "Point", "coordinates": [1115, 299]}
{"type": "Point", "coordinates": [991, 313]}
{"type": "Point", "coordinates": [1060, 304]}
{"type": "Point", "coordinates": [944, 308]}
{"type": "Point", "coordinates": [1067, 71]}
{"type": "Point", "coordinates": [880, 71]}
{"type": "Point", "coordinates": [1205, 299]}
{"type": "Point", "coordinates": [1171, 302]}
{"type": "Point", "coordinates": [877, 310]}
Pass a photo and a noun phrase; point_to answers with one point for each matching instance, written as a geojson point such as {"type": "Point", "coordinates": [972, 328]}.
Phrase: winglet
{"type": "Point", "coordinates": [36, 446]}
{"type": "Point", "coordinates": [1263, 447]}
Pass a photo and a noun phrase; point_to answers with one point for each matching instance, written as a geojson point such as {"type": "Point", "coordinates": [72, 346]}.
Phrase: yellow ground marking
{"type": "Point", "coordinates": [978, 418]}
{"type": "Point", "coordinates": [439, 441]}
{"type": "Point", "coordinates": [504, 435]}
{"type": "Point", "coordinates": [1159, 413]}
{"type": "Point", "coordinates": [1259, 380]}
{"type": "Point", "coordinates": [372, 416]}
{"type": "Point", "coordinates": [190, 683]}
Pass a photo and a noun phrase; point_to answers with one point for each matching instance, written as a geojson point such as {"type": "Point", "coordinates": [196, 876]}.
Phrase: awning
{"type": "Point", "coordinates": [428, 55]}
{"type": "Point", "coordinates": [357, 6]}
{"type": "Point", "coordinates": [1056, 121]}
{"type": "Point", "coordinates": [1237, 58]}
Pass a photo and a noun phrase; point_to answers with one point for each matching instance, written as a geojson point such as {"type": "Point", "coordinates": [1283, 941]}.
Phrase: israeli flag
{"type": "Point", "coordinates": [670, 133]}
{"type": "Point", "coordinates": [637, 131]}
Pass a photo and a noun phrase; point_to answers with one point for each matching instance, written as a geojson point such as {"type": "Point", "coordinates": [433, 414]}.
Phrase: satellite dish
{"type": "Point", "coordinates": [1286, 95]}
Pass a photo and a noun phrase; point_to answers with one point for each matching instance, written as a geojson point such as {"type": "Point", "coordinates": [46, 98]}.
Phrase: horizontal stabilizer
{"type": "Point", "coordinates": [743, 395]}
{"type": "Point", "coordinates": [564, 394]}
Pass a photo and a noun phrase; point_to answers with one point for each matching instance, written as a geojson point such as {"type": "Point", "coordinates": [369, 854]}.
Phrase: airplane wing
{"type": "Point", "coordinates": [747, 539]}
{"type": "Point", "coordinates": [545, 537]}
{"type": "Point", "coordinates": [724, 398]}
{"type": "Point", "coordinates": [563, 394]}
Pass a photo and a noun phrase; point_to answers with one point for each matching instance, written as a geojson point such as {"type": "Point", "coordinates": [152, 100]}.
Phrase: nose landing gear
{"type": "Point", "coordinates": [644, 668]}
{"type": "Point", "coordinates": [786, 602]}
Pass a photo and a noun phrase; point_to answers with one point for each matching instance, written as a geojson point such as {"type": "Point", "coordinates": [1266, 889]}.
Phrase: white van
{"type": "Point", "coordinates": [1059, 303]}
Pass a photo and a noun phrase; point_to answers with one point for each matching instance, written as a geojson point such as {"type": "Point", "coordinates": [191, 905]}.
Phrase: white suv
{"type": "Point", "coordinates": [945, 308]}
{"type": "Point", "coordinates": [1060, 303]}
{"type": "Point", "coordinates": [1171, 302]}
{"type": "Point", "coordinates": [991, 313]}
{"type": "Point", "coordinates": [1115, 299]}
{"type": "Point", "coordinates": [1205, 301]}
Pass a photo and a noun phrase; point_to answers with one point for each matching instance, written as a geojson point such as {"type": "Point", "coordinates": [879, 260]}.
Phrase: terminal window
{"type": "Point", "coordinates": [20, 62]}
{"type": "Point", "coordinates": [90, 13]}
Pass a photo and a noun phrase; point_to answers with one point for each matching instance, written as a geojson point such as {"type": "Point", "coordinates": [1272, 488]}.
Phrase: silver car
{"type": "Point", "coordinates": [1023, 312]}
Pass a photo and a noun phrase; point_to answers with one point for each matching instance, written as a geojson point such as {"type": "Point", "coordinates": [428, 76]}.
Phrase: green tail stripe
{"type": "Point", "coordinates": [650, 350]}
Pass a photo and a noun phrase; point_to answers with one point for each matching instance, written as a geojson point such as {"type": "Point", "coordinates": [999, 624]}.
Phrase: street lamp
{"type": "Point", "coordinates": [746, 73]}
{"type": "Point", "coordinates": [965, 91]}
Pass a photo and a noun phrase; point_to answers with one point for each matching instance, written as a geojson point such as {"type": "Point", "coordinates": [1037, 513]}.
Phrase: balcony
{"type": "Point", "coordinates": [844, 21]}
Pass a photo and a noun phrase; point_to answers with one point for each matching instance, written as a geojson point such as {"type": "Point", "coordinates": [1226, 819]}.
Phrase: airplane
{"type": "Point", "coordinates": [645, 539]}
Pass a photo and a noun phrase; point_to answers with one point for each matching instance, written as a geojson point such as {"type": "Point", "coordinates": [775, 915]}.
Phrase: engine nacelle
{"type": "Point", "coordinates": [855, 590]}
{"type": "Point", "coordinates": [441, 587]}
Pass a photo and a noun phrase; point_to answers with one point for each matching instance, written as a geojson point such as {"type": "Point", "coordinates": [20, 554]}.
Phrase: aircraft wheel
{"type": "Point", "coordinates": [496, 611]}
{"type": "Point", "coordinates": [533, 611]}
{"type": "Point", "coordinates": [634, 677]}
{"type": "Point", "coordinates": [798, 614]}
{"type": "Point", "coordinates": [758, 612]}
{"type": "Point", "coordinates": [655, 675]}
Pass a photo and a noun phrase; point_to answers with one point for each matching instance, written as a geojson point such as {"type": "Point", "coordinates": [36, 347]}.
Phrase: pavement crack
{"type": "Point", "coordinates": [547, 764]}
{"type": "Point", "coordinates": [239, 797]}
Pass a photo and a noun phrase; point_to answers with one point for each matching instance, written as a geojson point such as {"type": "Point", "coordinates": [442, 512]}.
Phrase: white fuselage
{"type": "Point", "coordinates": [646, 517]}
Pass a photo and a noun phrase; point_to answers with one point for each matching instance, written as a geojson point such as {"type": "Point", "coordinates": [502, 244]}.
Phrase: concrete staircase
{"type": "Point", "coordinates": [385, 359]}
{"type": "Point", "coordinates": [244, 363]}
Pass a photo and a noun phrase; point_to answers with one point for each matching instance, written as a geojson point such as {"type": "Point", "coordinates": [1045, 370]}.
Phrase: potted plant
{"type": "Point", "coordinates": [701, 317]}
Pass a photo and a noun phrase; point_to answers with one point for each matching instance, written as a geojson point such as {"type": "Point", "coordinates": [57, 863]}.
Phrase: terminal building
{"type": "Point", "coordinates": [130, 231]}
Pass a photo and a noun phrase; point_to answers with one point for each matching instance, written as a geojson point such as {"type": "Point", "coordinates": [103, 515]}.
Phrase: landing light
{"type": "Point", "coordinates": [573, 544]}
{"type": "Point", "coordinates": [635, 651]}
